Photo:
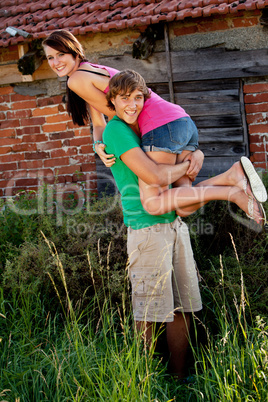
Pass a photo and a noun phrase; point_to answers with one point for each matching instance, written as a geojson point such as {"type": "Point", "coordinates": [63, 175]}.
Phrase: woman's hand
{"type": "Point", "coordinates": [107, 159]}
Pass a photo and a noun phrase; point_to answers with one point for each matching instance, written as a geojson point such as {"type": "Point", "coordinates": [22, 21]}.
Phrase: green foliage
{"type": "Point", "coordinates": [44, 357]}
{"type": "Point", "coordinates": [215, 234]}
{"type": "Point", "coordinates": [26, 260]}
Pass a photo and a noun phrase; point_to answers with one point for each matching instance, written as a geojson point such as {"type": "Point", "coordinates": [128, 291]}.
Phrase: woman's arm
{"type": "Point", "coordinates": [90, 87]}
{"type": "Point", "coordinates": [99, 124]}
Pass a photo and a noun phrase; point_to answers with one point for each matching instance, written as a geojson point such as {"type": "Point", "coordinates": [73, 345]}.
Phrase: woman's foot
{"type": "Point", "coordinates": [248, 204]}
{"type": "Point", "coordinates": [243, 173]}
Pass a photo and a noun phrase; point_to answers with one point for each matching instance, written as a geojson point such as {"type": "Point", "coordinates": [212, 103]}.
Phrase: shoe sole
{"type": "Point", "coordinates": [256, 185]}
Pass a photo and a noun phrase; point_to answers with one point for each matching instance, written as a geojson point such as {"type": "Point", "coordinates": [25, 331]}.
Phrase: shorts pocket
{"type": "Point", "coordinates": [146, 283]}
{"type": "Point", "coordinates": [179, 131]}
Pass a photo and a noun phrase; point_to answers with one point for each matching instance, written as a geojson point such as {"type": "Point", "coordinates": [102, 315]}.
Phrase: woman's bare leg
{"type": "Point", "coordinates": [177, 199]}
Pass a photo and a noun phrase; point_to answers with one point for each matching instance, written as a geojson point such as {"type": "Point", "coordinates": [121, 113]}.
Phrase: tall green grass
{"type": "Point", "coordinates": [93, 353]}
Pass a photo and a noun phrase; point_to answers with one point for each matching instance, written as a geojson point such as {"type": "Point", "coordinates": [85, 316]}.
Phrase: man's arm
{"type": "Point", "coordinates": [196, 162]}
{"type": "Point", "coordinates": [149, 171]}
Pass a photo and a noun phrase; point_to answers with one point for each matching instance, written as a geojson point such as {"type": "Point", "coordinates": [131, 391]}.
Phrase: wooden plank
{"type": "Point", "coordinates": [191, 86]}
{"type": "Point", "coordinates": [207, 85]}
{"type": "Point", "coordinates": [213, 166]}
{"type": "Point", "coordinates": [220, 134]}
{"type": "Point", "coordinates": [201, 64]}
{"type": "Point", "coordinates": [186, 98]}
{"type": "Point", "coordinates": [217, 121]}
{"type": "Point", "coordinates": [9, 74]}
{"type": "Point", "coordinates": [211, 109]}
{"type": "Point", "coordinates": [222, 149]}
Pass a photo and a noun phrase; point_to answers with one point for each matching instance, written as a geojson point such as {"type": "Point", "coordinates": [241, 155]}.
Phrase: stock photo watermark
{"type": "Point", "coordinates": [69, 199]}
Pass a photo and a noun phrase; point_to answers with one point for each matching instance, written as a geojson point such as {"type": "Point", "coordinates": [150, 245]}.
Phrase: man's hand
{"type": "Point", "coordinates": [107, 159]}
{"type": "Point", "coordinates": [196, 160]}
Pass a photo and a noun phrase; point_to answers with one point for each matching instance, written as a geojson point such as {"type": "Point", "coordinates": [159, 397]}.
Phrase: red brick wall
{"type": "Point", "coordinates": [39, 144]}
{"type": "Point", "coordinates": [256, 105]}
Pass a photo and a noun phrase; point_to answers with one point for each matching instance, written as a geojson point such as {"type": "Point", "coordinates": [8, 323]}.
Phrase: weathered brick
{"type": "Point", "coordinates": [27, 182]}
{"type": "Point", "coordinates": [56, 162]}
{"type": "Point", "coordinates": [33, 121]}
{"type": "Point", "coordinates": [255, 138]}
{"type": "Point", "coordinates": [86, 149]}
{"type": "Point", "coordinates": [62, 135]}
{"type": "Point", "coordinates": [6, 90]}
{"type": "Point", "coordinates": [44, 111]}
{"type": "Point", "coordinates": [253, 108]}
{"type": "Point", "coordinates": [28, 130]}
{"type": "Point", "coordinates": [88, 167]}
{"type": "Point", "coordinates": [9, 141]}
{"type": "Point", "coordinates": [4, 107]}
{"type": "Point", "coordinates": [258, 157]}
{"type": "Point", "coordinates": [45, 146]}
{"type": "Point", "coordinates": [87, 158]}
{"type": "Point", "coordinates": [57, 153]}
{"type": "Point", "coordinates": [18, 114]}
{"type": "Point", "coordinates": [34, 138]}
{"type": "Point", "coordinates": [28, 104]}
{"type": "Point", "coordinates": [62, 117]}
{"type": "Point", "coordinates": [24, 147]}
{"type": "Point", "coordinates": [36, 155]}
{"type": "Point", "coordinates": [9, 123]}
{"type": "Point", "coordinates": [257, 147]}
{"type": "Point", "coordinates": [8, 132]}
{"type": "Point", "coordinates": [245, 22]}
{"type": "Point", "coordinates": [4, 150]}
{"type": "Point", "coordinates": [17, 97]}
{"type": "Point", "coordinates": [50, 128]}
{"type": "Point", "coordinates": [77, 141]}
{"type": "Point", "coordinates": [68, 169]}
{"type": "Point", "coordinates": [255, 87]}
{"type": "Point", "coordinates": [53, 100]}
{"type": "Point", "coordinates": [33, 164]}
{"type": "Point", "coordinates": [257, 118]}
{"type": "Point", "coordinates": [256, 97]}
{"type": "Point", "coordinates": [12, 158]}
{"type": "Point", "coordinates": [258, 128]}
{"type": "Point", "coordinates": [8, 166]}
{"type": "Point", "coordinates": [5, 99]}
{"type": "Point", "coordinates": [83, 132]}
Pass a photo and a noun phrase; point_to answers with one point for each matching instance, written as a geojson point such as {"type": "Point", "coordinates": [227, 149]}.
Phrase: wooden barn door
{"type": "Point", "coordinates": [217, 108]}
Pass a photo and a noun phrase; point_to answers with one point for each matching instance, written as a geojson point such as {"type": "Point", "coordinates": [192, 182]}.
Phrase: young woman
{"type": "Point", "coordinates": [240, 184]}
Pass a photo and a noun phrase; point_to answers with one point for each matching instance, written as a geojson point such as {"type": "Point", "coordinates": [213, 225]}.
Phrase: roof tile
{"type": "Point", "coordinates": [166, 6]}
{"type": "Point", "coordinates": [182, 14]}
{"type": "Point", "coordinates": [81, 16]}
{"type": "Point", "coordinates": [197, 12]}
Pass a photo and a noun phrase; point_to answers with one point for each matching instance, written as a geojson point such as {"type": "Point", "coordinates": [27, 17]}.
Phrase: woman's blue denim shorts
{"type": "Point", "coordinates": [173, 137]}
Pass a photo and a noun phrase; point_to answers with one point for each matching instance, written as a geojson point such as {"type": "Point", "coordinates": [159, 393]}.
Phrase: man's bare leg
{"type": "Point", "coordinates": [177, 338]}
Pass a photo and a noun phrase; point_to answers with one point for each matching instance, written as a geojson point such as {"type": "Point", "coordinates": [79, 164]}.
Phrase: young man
{"type": "Point", "coordinates": [161, 264]}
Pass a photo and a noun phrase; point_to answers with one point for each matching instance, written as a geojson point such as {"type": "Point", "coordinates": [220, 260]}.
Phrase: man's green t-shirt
{"type": "Point", "coordinates": [120, 138]}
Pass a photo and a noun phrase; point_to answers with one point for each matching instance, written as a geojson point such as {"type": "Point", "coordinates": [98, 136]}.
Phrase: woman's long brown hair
{"type": "Point", "coordinates": [65, 42]}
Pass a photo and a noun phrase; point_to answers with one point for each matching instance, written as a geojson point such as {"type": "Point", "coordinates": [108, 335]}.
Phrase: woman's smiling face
{"type": "Point", "coordinates": [62, 63]}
